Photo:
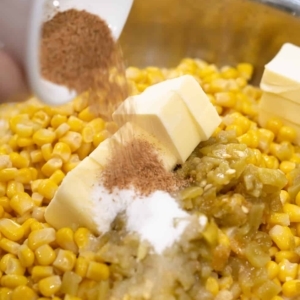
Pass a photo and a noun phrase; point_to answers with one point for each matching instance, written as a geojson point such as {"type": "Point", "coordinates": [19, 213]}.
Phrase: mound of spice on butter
{"type": "Point", "coordinates": [136, 165]}
{"type": "Point", "coordinates": [79, 52]}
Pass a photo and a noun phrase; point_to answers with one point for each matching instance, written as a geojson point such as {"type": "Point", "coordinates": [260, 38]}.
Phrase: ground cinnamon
{"type": "Point", "coordinates": [78, 51]}
{"type": "Point", "coordinates": [137, 165]}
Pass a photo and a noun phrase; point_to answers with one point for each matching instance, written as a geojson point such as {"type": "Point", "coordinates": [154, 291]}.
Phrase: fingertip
{"type": "Point", "coordinates": [12, 82]}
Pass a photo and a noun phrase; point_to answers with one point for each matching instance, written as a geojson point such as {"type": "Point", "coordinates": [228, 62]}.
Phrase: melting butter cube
{"type": "Point", "coordinates": [74, 204]}
{"type": "Point", "coordinates": [281, 75]}
{"type": "Point", "coordinates": [280, 107]}
{"type": "Point", "coordinates": [202, 111]}
{"type": "Point", "coordinates": [177, 112]}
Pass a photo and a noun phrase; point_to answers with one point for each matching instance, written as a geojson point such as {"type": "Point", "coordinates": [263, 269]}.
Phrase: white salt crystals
{"type": "Point", "coordinates": [156, 218]}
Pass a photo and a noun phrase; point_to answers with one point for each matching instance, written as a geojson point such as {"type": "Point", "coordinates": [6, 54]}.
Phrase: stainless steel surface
{"type": "Point", "coordinates": [290, 6]}
{"type": "Point", "coordinates": [161, 32]}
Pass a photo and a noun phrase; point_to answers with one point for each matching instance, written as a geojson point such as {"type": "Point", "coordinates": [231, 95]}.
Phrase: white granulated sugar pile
{"type": "Point", "coordinates": [108, 205]}
{"type": "Point", "coordinates": [157, 218]}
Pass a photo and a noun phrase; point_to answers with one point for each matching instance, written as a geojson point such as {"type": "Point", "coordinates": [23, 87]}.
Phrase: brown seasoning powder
{"type": "Point", "coordinates": [137, 165]}
{"type": "Point", "coordinates": [78, 51]}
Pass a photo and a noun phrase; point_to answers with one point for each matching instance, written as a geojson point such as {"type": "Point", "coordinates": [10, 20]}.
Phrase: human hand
{"type": "Point", "coordinates": [13, 87]}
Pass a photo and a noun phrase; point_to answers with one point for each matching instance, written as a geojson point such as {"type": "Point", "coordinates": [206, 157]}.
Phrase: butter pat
{"type": "Point", "coordinates": [74, 204]}
{"type": "Point", "coordinates": [202, 111]}
{"type": "Point", "coordinates": [280, 107]}
{"type": "Point", "coordinates": [177, 112]}
{"type": "Point", "coordinates": [281, 75]}
{"type": "Point", "coordinates": [264, 116]}
{"type": "Point", "coordinates": [127, 133]}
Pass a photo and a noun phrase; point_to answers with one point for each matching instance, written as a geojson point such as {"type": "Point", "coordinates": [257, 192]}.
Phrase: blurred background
{"type": "Point", "coordinates": [223, 32]}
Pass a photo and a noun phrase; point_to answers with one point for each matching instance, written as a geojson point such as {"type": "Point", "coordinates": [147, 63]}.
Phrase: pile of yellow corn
{"type": "Point", "coordinates": [39, 145]}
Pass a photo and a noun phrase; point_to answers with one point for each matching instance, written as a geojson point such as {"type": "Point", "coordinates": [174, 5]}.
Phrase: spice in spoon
{"type": "Point", "coordinates": [79, 52]}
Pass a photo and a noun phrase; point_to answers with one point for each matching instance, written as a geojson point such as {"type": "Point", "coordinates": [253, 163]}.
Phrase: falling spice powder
{"type": "Point", "coordinates": [78, 51]}
{"type": "Point", "coordinates": [136, 165]}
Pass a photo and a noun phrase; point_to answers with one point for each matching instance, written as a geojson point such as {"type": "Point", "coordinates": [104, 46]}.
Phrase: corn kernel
{"type": "Point", "coordinates": [57, 177]}
{"type": "Point", "coordinates": [81, 102]}
{"type": "Point", "coordinates": [12, 281]}
{"type": "Point", "coordinates": [62, 151]}
{"type": "Point", "coordinates": [88, 134]}
{"type": "Point", "coordinates": [272, 269]}
{"type": "Point", "coordinates": [73, 139]}
{"type": "Point", "coordinates": [37, 199]}
{"type": "Point", "coordinates": [279, 219]}
{"type": "Point", "coordinates": [18, 119]}
{"type": "Point", "coordinates": [97, 124]}
{"type": "Point", "coordinates": [23, 292]}
{"type": "Point", "coordinates": [212, 285]}
{"type": "Point", "coordinates": [11, 230]}
{"type": "Point", "coordinates": [8, 174]}
{"type": "Point", "coordinates": [65, 109]}
{"type": "Point", "coordinates": [65, 260]}
{"type": "Point", "coordinates": [75, 124]}
{"type": "Point", "coordinates": [5, 293]}
{"type": "Point", "coordinates": [245, 70]}
{"type": "Point", "coordinates": [9, 264]}
{"type": "Point", "coordinates": [86, 115]}
{"type": "Point", "coordinates": [82, 238]}
{"type": "Point", "coordinates": [236, 128]}
{"type": "Point", "coordinates": [282, 237]}
{"type": "Point", "coordinates": [24, 175]}
{"type": "Point", "coordinates": [9, 246]}
{"type": "Point", "coordinates": [13, 142]}
{"type": "Point", "coordinates": [47, 188]}
{"type": "Point", "coordinates": [50, 285]}
{"type": "Point", "coordinates": [283, 151]}
{"type": "Point", "coordinates": [284, 197]}
{"type": "Point", "coordinates": [47, 150]}
{"type": "Point", "coordinates": [293, 211]}
{"type": "Point", "coordinates": [62, 129]}
{"type": "Point", "coordinates": [43, 136]}
{"type": "Point", "coordinates": [81, 266]}
{"type": "Point", "coordinates": [26, 256]}
{"type": "Point", "coordinates": [84, 150]}
{"type": "Point", "coordinates": [40, 272]}
{"type": "Point", "coordinates": [297, 200]}
{"type": "Point", "coordinates": [291, 256]}
{"type": "Point", "coordinates": [21, 203]}
{"type": "Point", "coordinates": [65, 239]}
{"type": "Point", "coordinates": [287, 166]}
{"type": "Point", "coordinates": [286, 134]}
{"type": "Point", "coordinates": [40, 237]}
{"type": "Point", "coordinates": [14, 187]}
{"type": "Point", "coordinates": [27, 226]}
{"type": "Point", "coordinates": [274, 124]}
{"type": "Point", "coordinates": [51, 166]}
{"type": "Point", "coordinates": [18, 161]}
{"type": "Point", "coordinates": [41, 118]}
{"type": "Point", "coordinates": [58, 120]}
{"type": "Point", "coordinates": [291, 288]}
{"type": "Point", "coordinates": [71, 164]}
{"type": "Point", "coordinates": [99, 137]}
{"type": "Point", "coordinates": [225, 99]}
{"type": "Point", "coordinates": [97, 271]}
{"type": "Point", "coordinates": [3, 187]}
{"type": "Point", "coordinates": [45, 255]}
{"type": "Point", "coordinates": [2, 212]}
